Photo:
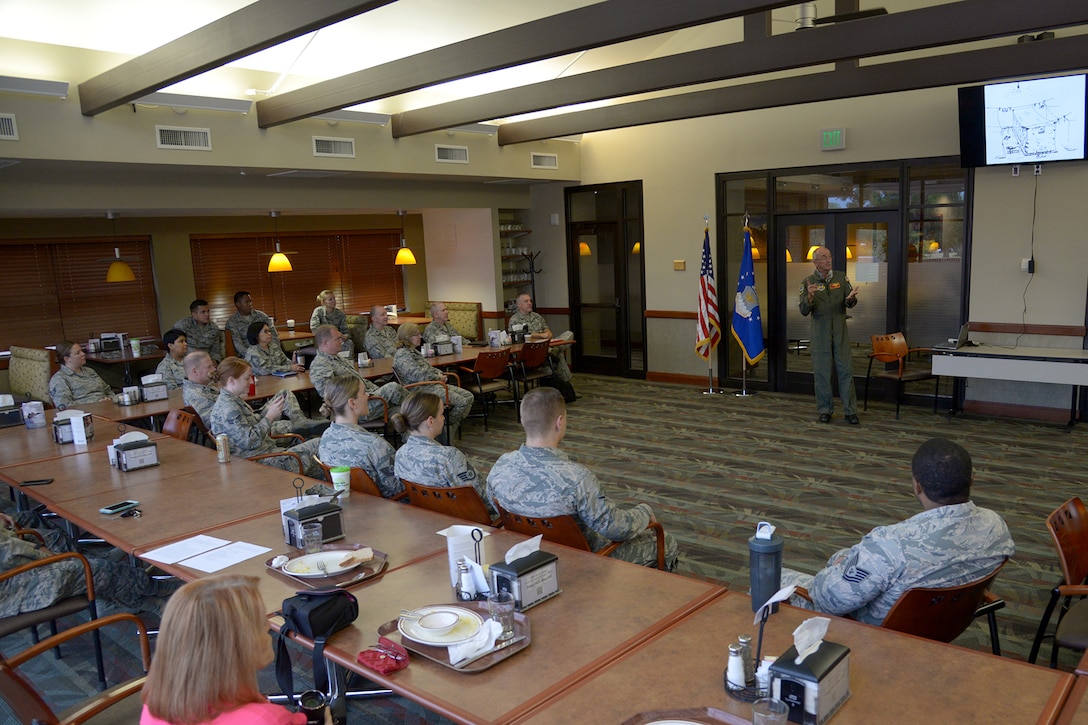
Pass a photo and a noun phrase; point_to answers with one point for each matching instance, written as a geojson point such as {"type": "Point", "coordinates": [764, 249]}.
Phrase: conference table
{"type": "Point", "coordinates": [1059, 366]}
{"type": "Point", "coordinates": [619, 640]}
{"type": "Point", "coordinates": [148, 353]}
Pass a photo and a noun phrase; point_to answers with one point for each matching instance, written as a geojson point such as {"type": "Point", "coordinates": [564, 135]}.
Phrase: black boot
{"type": "Point", "coordinates": [564, 387]}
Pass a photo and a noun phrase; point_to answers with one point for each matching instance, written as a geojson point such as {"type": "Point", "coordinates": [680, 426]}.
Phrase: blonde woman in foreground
{"type": "Point", "coordinates": [214, 638]}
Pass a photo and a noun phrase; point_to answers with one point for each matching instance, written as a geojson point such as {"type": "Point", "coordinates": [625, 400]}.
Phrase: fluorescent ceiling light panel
{"type": "Point", "coordinates": [11, 84]}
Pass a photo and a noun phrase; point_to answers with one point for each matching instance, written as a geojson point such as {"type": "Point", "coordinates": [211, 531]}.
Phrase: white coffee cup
{"type": "Point", "coordinates": [291, 325]}
{"type": "Point", "coordinates": [135, 345]}
{"type": "Point", "coordinates": [341, 480]}
{"type": "Point", "coordinates": [362, 359]}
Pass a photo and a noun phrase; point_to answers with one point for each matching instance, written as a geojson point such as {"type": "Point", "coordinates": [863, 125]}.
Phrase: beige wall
{"type": "Point", "coordinates": [462, 256]}
{"type": "Point", "coordinates": [677, 162]}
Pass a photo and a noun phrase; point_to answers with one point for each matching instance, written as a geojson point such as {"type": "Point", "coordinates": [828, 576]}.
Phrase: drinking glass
{"type": "Point", "coordinates": [500, 606]}
{"type": "Point", "coordinates": [769, 711]}
{"type": "Point", "coordinates": [311, 538]}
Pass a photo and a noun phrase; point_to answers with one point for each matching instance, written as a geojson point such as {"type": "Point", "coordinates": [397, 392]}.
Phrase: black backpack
{"type": "Point", "coordinates": [316, 615]}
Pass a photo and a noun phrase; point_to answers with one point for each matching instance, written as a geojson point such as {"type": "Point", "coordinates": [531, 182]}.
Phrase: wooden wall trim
{"type": "Point", "coordinates": [1015, 328]}
{"type": "Point", "coordinates": [1011, 410]}
{"type": "Point", "coordinates": [552, 310]}
{"type": "Point", "coordinates": [669, 315]}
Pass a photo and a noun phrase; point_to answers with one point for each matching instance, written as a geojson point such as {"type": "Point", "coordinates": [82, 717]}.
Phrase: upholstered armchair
{"type": "Point", "coordinates": [29, 372]}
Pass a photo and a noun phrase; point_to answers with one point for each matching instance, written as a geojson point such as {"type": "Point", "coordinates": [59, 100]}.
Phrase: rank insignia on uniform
{"type": "Point", "coordinates": [855, 575]}
{"type": "Point", "coordinates": [835, 285]}
{"type": "Point", "coordinates": [820, 288]}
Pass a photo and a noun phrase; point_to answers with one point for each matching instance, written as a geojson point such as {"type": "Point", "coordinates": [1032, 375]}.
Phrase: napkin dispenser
{"type": "Point", "coordinates": [136, 454]}
{"type": "Point", "coordinates": [817, 687]}
{"type": "Point", "coordinates": [154, 391]}
{"type": "Point", "coordinates": [531, 579]}
{"type": "Point", "coordinates": [10, 415]}
{"type": "Point", "coordinates": [114, 341]}
{"type": "Point", "coordinates": [443, 348]}
{"type": "Point", "coordinates": [325, 513]}
{"type": "Point", "coordinates": [62, 429]}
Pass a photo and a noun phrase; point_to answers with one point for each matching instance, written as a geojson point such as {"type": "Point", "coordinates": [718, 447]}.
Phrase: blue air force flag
{"type": "Point", "coordinates": [747, 324]}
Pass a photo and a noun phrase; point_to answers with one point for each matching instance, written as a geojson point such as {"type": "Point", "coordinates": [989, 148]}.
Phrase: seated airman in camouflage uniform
{"type": "Point", "coordinates": [440, 329]}
{"type": "Point", "coordinates": [200, 332]}
{"type": "Point", "coordinates": [265, 354]}
{"type": "Point", "coordinates": [172, 367]}
{"type": "Point", "coordinates": [526, 320]}
{"type": "Point", "coordinates": [200, 392]}
{"type": "Point", "coordinates": [75, 384]}
{"type": "Point", "coordinates": [250, 434]}
{"type": "Point", "coordinates": [381, 339]}
{"type": "Point", "coordinates": [411, 367]}
{"type": "Point", "coordinates": [346, 444]}
{"type": "Point", "coordinates": [328, 364]}
{"type": "Point", "coordinates": [239, 322]}
{"type": "Point", "coordinates": [424, 460]}
{"type": "Point", "coordinates": [538, 479]}
{"type": "Point", "coordinates": [952, 542]}
{"type": "Point", "coordinates": [326, 313]}
{"type": "Point", "coordinates": [120, 584]}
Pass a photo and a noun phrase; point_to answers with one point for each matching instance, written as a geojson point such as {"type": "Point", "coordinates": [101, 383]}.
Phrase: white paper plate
{"type": "Point", "coordinates": [306, 567]}
{"type": "Point", "coordinates": [465, 629]}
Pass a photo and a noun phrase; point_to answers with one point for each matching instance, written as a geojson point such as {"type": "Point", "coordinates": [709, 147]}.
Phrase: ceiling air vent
{"type": "Point", "coordinates": [342, 148]}
{"type": "Point", "coordinates": [544, 161]}
{"type": "Point", "coordinates": [175, 137]}
{"type": "Point", "coordinates": [450, 154]}
{"type": "Point", "coordinates": [8, 130]}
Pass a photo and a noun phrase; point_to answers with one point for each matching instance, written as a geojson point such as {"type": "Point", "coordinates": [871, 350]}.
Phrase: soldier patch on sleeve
{"type": "Point", "coordinates": [855, 575]}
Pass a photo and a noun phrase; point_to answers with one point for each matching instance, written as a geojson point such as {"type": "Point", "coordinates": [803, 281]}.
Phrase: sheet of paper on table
{"type": "Point", "coordinates": [173, 553]}
{"type": "Point", "coordinates": [224, 556]}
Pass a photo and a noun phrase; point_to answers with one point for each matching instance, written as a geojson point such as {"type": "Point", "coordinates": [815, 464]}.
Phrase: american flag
{"type": "Point", "coordinates": [709, 332]}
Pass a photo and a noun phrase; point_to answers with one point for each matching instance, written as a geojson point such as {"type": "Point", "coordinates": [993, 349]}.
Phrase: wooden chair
{"type": "Point", "coordinates": [298, 459]}
{"type": "Point", "coordinates": [178, 424]}
{"type": "Point", "coordinates": [892, 349]}
{"type": "Point", "coordinates": [943, 613]}
{"type": "Point", "coordinates": [462, 502]}
{"type": "Point", "coordinates": [492, 373]}
{"type": "Point", "coordinates": [360, 481]}
{"type": "Point", "coordinates": [378, 425]}
{"type": "Point", "coordinates": [532, 363]}
{"type": "Point", "coordinates": [120, 703]}
{"type": "Point", "coordinates": [61, 608]}
{"type": "Point", "coordinates": [1068, 525]}
{"type": "Point", "coordinates": [564, 530]}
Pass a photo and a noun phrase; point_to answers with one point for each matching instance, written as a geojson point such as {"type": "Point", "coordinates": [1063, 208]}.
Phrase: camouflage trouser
{"type": "Point", "coordinates": [558, 360]}
{"type": "Point", "coordinates": [642, 549]}
{"type": "Point", "coordinates": [306, 451]}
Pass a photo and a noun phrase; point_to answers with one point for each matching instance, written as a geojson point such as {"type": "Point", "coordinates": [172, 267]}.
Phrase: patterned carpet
{"type": "Point", "coordinates": [713, 466]}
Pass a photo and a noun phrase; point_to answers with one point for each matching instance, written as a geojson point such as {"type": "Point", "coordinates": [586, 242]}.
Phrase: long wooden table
{"type": "Point", "coordinates": [894, 678]}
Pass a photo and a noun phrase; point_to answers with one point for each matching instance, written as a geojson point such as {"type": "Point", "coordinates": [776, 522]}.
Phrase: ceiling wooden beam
{"type": "Point", "coordinates": [604, 23]}
{"type": "Point", "coordinates": [959, 22]}
{"type": "Point", "coordinates": [253, 28]}
{"type": "Point", "coordinates": [1013, 61]}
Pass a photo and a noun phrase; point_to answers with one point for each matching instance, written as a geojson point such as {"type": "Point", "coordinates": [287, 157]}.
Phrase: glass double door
{"type": "Point", "coordinates": [861, 243]}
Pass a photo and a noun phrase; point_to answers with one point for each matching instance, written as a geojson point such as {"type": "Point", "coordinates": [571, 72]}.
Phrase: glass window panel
{"type": "Point", "coordinates": [869, 189]}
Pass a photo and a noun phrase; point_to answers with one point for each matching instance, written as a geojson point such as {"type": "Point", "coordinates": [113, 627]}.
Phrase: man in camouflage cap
{"type": "Point", "coordinates": [951, 542]}
{"type": "Point", "coordinates": [538, 479]}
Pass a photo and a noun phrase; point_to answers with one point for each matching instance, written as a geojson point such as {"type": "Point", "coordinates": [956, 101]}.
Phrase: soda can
{"type": "Point", "coordinates": [222, 448]}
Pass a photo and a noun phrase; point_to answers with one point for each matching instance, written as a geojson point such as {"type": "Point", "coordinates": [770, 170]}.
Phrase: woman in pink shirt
{"type": "Point", "coordinates": [214, 638]}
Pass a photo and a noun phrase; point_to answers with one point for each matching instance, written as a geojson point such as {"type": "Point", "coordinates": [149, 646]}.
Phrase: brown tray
{"type": "Point", "coordinates": [369, 570]}
{"type": "Point", "coordinates": [703, 715]}
{"type": "Point", "coordinates": [441, 654]}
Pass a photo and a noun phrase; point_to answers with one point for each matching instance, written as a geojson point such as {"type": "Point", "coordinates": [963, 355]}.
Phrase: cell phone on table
{"type": "Point", "coordinates": [37, 482]}
{"type": "Point", "coordinates": [116, 508]}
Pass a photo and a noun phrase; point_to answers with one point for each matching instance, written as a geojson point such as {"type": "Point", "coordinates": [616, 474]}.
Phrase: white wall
{"type": "Point", "coordinates": [461, 256]}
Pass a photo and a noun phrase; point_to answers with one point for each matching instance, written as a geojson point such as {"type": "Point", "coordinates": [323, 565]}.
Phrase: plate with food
{"type": "Point", "coordinates": [440, 625]}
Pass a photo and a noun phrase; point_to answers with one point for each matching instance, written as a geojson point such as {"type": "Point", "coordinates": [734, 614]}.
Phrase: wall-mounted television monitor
{"type": "Point", "coordinates": [1023, 122]}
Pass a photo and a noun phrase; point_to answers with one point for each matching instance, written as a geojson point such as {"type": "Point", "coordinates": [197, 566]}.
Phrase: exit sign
{"type": "Point", "coordinates": [832, 139]}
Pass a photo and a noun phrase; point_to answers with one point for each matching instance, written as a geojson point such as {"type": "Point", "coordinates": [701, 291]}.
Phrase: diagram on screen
{"type": "Point", "coordinates": [1035, 121]}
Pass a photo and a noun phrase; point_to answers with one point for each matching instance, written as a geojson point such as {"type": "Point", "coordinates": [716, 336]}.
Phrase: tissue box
{"type": "Point", "coordinates": [326, 514]}
{"type": "Point", "coordinates": [10, 415]}
{"type": "Point", "coordinates": [816, 688]}
{"type": "Point", "coordinates": [136, 455]}
{"type": "Point", "coordinates": [531, 579]}
{"type": "Point", "coordinates": [62, 429]}
{"type": "Point", "coordinates": [155, 391]}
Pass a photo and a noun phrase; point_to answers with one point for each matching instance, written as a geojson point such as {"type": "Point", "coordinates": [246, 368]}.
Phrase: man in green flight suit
{"type": "Point", "coordinates": [827, 295]}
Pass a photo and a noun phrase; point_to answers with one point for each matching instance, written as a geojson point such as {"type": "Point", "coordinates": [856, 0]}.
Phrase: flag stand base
{"type": "Point", "coordinates": [711, 390]}
{"type": "Point", "coordinates": [744, 392]}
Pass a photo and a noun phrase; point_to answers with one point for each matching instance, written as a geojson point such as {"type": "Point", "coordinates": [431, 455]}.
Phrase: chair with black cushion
{"type": "Point", "coordinates": [563, 529]}
{"type": "Point", "coordinates": [119, 704]}
{"type": "Point", "coordinates": [943, 613]}
{"type": "Point", "coordinates": [360, 481]}
{"type": "Point", "coordinates": [462, 502]}
{"type": "Point", "coordinates": [61, 608]}
{"type": "Point", "coordinates": [1068, 525]}
{"type": "Point", "coordinates": [892, 349]}
{"type": "Point", "coordinates": [532, 364]}
{"type": "Point", "coordinates": [492, 373]}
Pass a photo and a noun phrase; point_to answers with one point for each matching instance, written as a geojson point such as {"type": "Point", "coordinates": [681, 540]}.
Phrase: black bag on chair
{"type": "Point", "coordinates": [316, 615]}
